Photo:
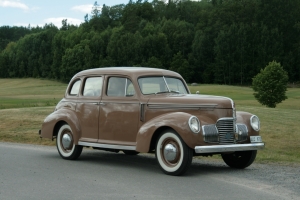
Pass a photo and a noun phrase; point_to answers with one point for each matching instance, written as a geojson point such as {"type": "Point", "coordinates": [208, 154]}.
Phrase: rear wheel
{"type": "Point", "coordinates": [65, 143]}
{"type": "Point", "coordinates": [239, 159]}
{"type": "Point", "coordinates": [172, 154]}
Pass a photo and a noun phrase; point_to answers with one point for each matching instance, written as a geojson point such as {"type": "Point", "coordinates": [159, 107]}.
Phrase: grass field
{"type": "Point", "coordinates": [24, 103]}
{"type": "Point", "coordinates": [28, 92]}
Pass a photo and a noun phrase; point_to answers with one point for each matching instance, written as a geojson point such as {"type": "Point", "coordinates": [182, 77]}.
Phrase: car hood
{"type": "Point", "coordinates": [190, 101]}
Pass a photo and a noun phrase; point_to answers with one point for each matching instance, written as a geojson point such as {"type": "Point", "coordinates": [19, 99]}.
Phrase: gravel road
{"type": "Point", "coordinates": [38, 172]}
{"type": "Point", "coordinates": [280, 180]}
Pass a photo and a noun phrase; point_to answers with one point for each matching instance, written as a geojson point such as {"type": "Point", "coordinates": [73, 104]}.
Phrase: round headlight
{"type": "Point", "coordinates": [255, 123]}
{"type": "Point", "coordinates": [194, 124]}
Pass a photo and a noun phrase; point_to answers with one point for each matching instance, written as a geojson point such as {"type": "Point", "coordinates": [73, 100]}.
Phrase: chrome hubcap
{"type": "Point", "coordinates": [170, 152]}
{"type": "Point", "coordinates": [66, 141]}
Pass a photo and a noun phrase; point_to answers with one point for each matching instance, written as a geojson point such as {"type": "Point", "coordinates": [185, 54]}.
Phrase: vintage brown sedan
{"type": "Point", "coordinates": [142, 110]}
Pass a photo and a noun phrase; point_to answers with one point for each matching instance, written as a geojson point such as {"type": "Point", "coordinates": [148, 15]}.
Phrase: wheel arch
{"type": "Point", "coordinates": [177, 121]}
{"type": "Point", "coordinates": [57, 127]}
{"type": "Point", "coordinates": [75, 129]}
{"type": "Point", "coordinates": [55, 120]}
{"type": "Point", "coordinates": [155, 136]}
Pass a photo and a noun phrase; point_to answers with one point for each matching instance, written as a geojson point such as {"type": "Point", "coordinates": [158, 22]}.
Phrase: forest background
{"type": "Point", "coordinates": [209, 41]}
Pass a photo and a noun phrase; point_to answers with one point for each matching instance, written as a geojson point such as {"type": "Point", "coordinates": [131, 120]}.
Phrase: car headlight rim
{"type": "Point", "coordinates": [255, 123]}
{"type": "Point", "coordinates": [194, 124]}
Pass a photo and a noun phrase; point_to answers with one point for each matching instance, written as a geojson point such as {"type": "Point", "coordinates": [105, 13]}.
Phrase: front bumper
{"type": "Point", "coordinates": [229, 148]}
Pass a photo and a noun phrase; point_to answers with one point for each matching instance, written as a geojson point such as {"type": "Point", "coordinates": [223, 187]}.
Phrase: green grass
{"type": "Point", "coordinates": [24, 103]}
{"type": "Point", "coordinates": [21, 125]}
{"type": "Point", "coordinates": [243, 96]}
{"type": "Point", "coordinates": [28, 92]}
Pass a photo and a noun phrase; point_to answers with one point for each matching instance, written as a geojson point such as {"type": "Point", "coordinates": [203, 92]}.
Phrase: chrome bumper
{"type": "Point", "coordinates": [229, 148]}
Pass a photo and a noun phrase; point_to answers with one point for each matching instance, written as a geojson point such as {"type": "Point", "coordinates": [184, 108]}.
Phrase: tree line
{"type": "Point", "coordinates": [209, 41]}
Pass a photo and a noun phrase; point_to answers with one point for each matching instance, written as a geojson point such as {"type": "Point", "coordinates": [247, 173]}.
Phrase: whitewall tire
{"type": "Point", "coordinates": [65, 143]}
{"type": "Point", "coordinates": [172, 154]}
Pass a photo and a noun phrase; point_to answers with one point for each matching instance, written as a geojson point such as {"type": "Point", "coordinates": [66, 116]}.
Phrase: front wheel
{"type": "Point", "coordinates": [65, 144]}
{"type": "Point", "coordinates": [239, 159]}
{"type": "Point", "coordinates": [172, 154]}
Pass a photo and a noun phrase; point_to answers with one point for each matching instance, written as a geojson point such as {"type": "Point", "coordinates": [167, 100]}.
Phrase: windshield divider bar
{"type": "Point", "coordinates": [166, 84]}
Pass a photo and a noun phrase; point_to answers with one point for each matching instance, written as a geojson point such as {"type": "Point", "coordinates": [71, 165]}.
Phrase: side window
{"type": "Point", "coordinates": [116, 87]}
{"type": "Point", "coordinates": [129, 89]}
{"type": "Point", "coordinates": [120, 87]}
{"type": "Point", "coordinates": [75, 88]}
{"type": "Point", "coordinates": [93, 87]}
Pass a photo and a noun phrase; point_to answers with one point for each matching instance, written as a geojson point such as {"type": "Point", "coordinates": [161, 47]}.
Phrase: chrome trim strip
{"type": "Point", "coordinates": [116, 102]}
{"type": "Point", "coordinates": [181, 106]}
{"type": "Point", "coordinates": [232, 102]}
{"type": "Point", "coordinates": [229, 148]}
{"type": "Point", "coordinates": [86, 102]}
{"type": "Point", "coordinates": [224, 119]}
{"type": "Point", "coordinates": [107, 146]}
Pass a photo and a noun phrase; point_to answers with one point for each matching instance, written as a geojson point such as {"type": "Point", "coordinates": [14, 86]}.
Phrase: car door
{"type": "Point", "coordinates": [119, 112]}
{"type": "Point", "coordinates": [88, 108]}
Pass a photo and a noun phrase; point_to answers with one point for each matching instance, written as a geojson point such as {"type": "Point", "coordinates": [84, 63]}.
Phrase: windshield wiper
{"type": "Point", "coordinates": [161, 92]}
{"type": "Point", "coordinates": [174, 91]}
{"type": "Point", "coordinates": [171, 91]}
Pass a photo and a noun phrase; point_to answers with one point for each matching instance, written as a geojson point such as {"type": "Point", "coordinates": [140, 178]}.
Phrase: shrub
{"type": "Point", "coordinates": [270, 85]}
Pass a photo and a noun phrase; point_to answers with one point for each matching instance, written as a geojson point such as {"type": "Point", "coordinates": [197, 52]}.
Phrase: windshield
{"type": "Point", "coordinates": [161, 84]}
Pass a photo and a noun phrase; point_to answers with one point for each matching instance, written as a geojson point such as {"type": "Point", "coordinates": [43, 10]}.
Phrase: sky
{"type": "Point", "coordinates": [40, 12]}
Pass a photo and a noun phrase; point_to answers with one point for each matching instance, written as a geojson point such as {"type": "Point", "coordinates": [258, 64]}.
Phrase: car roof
{"type": "Point", "coordinates": [127, 71]}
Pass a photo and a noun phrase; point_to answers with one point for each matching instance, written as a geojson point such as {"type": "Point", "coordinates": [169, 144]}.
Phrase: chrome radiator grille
{"type": "Point", "coordinates": [242, 131]}
{"type": "Point", "coordinates": [226, 130]}
{"type": "Point", "coordinates": [223, 132]}
{"type": "Point", "coordinates": [210, 133]}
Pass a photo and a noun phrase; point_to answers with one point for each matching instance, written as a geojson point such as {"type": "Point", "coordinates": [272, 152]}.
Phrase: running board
{"type": "Point", "coordinates": [107, 146]}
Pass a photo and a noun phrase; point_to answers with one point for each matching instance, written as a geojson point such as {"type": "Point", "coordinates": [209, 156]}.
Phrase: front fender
{"type": "Point", "coordinates": [58, 117]}
{"type": "Point", "coordinates": [244, 118]}
{"type": "Point", "coordinates": [177, 121]}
